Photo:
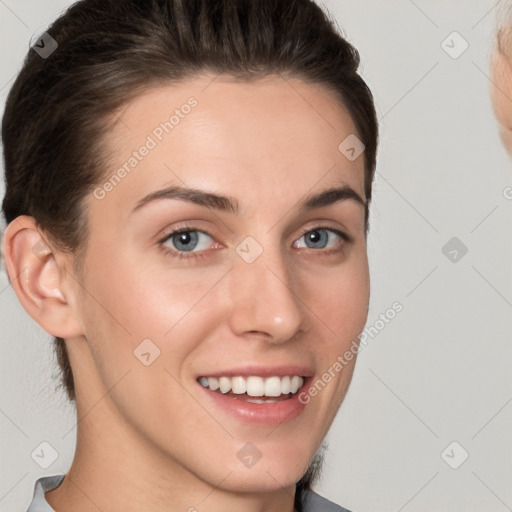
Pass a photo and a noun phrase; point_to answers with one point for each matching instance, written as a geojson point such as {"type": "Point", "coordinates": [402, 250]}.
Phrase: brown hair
{"type": "Point", "coordinates": [60, 107]}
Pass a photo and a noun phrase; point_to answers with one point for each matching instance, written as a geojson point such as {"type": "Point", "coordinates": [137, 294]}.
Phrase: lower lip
{"type": "Point", "coordinates": [261, 414]}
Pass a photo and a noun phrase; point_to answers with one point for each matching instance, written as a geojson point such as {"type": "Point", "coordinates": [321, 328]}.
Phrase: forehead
{"type": "Point", "coordinates": [241, 138]}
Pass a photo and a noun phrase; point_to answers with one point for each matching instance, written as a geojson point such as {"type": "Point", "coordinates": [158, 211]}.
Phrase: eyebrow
{"type": "Point", "coordinates": [230, 204]}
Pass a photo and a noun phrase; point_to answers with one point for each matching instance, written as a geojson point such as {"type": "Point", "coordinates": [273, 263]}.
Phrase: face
{"type": "Point", "coordinates": [259, 292]}
{"type": "Point", "coordinates": [501, 93]}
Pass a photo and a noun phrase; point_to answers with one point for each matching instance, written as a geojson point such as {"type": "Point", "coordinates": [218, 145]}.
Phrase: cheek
{"type": "Point", "coordinates": [341, 306]}
{"type": "Point", "coordinates": [130, 303]}
{"type": "Point", "coordinates": [340, 298]}
{"type": "Point", "coordinates": [176, 309]}
{"type": "Point", "coordinates": [143, 300]}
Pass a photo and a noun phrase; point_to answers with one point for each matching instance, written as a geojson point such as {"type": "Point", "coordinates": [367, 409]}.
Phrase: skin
{"type": "Point", "coordinates": [501, 91]}
{"type": "Point", "coordinates": [146, 436]}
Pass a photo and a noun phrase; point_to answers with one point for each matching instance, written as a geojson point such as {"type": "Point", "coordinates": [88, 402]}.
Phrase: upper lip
{"type": "Point", "coordinates": [260, 371]}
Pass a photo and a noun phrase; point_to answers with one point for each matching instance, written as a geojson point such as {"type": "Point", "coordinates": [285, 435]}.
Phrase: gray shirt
{"type": "Point", "coordinates": [313, 502]}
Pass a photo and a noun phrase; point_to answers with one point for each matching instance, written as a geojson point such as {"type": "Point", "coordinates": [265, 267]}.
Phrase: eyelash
{"type": "Point", "coordinates": [198, 255]}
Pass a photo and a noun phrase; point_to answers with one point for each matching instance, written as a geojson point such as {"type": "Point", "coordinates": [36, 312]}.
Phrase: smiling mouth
{"type": "Point", "coordinates": [255, 389]}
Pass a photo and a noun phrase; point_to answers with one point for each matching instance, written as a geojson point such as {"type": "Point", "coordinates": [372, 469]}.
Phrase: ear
{"type": "Point", "coordinates": [40, 278]}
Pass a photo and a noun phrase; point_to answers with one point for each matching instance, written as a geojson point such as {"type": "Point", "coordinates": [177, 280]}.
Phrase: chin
{"type": "Point", "coordinates": [262, 481]}
{"type": "Point", "coordinates": [271, 476]}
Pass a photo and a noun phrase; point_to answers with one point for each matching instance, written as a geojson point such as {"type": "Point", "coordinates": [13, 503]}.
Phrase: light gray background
{"type": "Point", "coordinates": [440, 370]}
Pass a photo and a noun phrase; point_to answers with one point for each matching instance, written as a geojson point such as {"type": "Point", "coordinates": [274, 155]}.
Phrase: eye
{"type": "Point", "coordinates": [188, 240]}
{"type": "Point", "coordinates": [321, 238]}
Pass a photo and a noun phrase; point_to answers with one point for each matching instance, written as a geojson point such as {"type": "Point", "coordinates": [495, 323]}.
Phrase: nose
{"type": "Point", "coordinates": [265, 298]}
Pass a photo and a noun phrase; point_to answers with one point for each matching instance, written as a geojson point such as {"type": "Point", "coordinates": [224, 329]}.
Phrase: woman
{"type": "Point", "coordinates": [187, 195]}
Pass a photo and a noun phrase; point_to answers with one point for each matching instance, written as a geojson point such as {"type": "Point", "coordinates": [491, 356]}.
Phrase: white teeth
{"type": "Point", "coordinates": [256, 401]}
{"type": "Point", "coordinates": [254, 386]}
{"type": "Point", "coordinates": [273, 386]}
{"type": "Point", "coordinates": [285, 385]}
{"type": "Point", "coordinates": [225, 384]}
{"type": "Point", "coordinates": [213, 383]}
{"type": "Point", "coordinates": [295, 384]}
{"type": "Point", "coordinates": [238, 385]}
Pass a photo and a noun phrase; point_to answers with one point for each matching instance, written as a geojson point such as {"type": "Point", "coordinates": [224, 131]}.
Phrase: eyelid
{"type": "Point", "coordinates": [342, 232]}
{"type": "Point", "coordinates": [180, 227]}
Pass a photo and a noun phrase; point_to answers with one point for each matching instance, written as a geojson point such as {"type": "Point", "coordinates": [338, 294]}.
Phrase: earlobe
{"type": "Point", "coordinates": [37, 278]}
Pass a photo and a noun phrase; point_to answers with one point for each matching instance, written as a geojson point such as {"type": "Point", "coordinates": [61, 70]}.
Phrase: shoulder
{"type": "Point", "coordinates": [43, 485]}
{"type": "Point", "coordinates": [313, 502]}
